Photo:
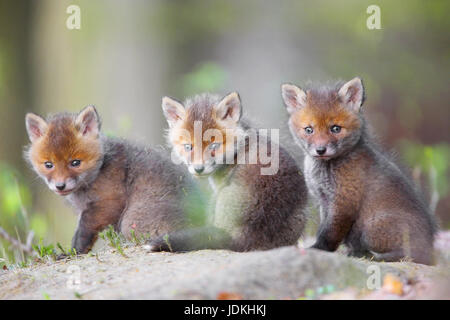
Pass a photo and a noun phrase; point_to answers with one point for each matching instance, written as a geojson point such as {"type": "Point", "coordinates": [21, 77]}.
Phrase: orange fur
{"type": "Point", "coordinates": [322, 119]}
{"type": "Point", "coordinates": [208, 123]}
{"type": "Point", "coordinates": [62, 148]}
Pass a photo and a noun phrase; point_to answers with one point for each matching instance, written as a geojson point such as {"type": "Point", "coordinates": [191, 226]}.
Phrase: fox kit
{"type": "Point", "coordinates": [366, 201]}
{"type": "Point", "coordinates": [248, 210]}
{"type": "Point", "coordinates": [109, 181]}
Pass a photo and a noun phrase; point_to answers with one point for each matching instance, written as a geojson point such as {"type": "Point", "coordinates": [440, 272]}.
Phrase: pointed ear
{"type": "Point", "coordinates": [352, 94]}
{"type": "Point", "coordinates": [294, 98]}
{"type": "Point", "coordinates": [88, 122]}
{"type": "Point", "coordinates": [229, 107]}
{"type": "Point", "coordinates": [36, 126]}
{"type": "Point", "coordinates": [173, 110]}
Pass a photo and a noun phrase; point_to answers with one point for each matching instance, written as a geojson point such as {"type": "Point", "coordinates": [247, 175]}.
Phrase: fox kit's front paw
{"type": "Point", "coordinates": [319, 245]}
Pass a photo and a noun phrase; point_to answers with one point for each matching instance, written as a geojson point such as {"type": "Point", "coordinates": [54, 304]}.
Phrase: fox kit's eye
{"type": "Point", "coordinates": [48, 164]}
{"type": "Point", "coordinates": [335, 129]}
{"type": "Point", "coordinates": [75, 163]}
{"type": "Point", "coordinates": [214, 146]}
{"type": "Point", "coordinates": [309, 130]}
{"type": "Point", "coordinates": [188, 147]}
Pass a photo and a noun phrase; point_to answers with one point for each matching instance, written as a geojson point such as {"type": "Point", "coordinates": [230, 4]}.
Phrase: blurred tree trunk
{"type": "Point", "coordinates": [15, 84]}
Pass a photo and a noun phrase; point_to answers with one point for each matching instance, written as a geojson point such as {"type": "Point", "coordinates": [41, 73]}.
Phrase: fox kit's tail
{"type": "Point", "coordinates": [192, 239]}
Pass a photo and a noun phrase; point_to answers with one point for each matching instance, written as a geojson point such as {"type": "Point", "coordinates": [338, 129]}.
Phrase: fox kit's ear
{"type": "Point", "coordinates": [36, 126]}
{"type": "Point", "coordinates": [88, 122]}
{"type": "Point", "coordinates": [173, 110]}
{"type": "Point", "coordinates": [294, 98]}
{"type": "Point", "coordinates": [352, 94]}
{"type": "Point", "coordinates": [229, 107]}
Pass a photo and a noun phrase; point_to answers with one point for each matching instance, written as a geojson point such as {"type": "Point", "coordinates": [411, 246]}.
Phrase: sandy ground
{"type": "Point", "coordinates": [283, 273]}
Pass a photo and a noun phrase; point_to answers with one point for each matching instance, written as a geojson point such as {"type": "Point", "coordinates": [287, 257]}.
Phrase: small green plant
{"type": "Point", "coordinates": [134, 237]}
{"type": "Point", "coordinates": [114, 239]}
{"type": "Point", "coordinates": [44, 251]}
{"type": "Point", "coordinates": [15, 199]}
{"type": "Point", "coordinates": [430, 162]}
{"type": "Point", "coordinates": [23, 264]}
{"type": "Point", "coordinates": [72, 252]}
{"type": "Point", "coordinates": [139, 240]}
{"type": "Point", "coordinates": [46, 296]}
{"type": "Point", "coordinates": [311, 294]}
{"type": "Point", "coordinates": [166, 240]}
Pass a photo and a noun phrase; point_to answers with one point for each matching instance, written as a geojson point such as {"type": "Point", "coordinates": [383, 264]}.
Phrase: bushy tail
{"type": "Point", "coordinates": [192, 239]}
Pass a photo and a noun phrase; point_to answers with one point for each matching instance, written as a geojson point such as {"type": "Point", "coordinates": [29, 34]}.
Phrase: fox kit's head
{"type": "Point", "coordinates": [325, 122]}
{"type": "Point", "coordinates": [65, 150]}
{"type": "Point", "coordinates": [202, 130]}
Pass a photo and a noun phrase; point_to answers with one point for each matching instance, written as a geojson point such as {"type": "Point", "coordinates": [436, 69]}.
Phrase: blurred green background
{"type": "Point", "coordinates": [128, 54]}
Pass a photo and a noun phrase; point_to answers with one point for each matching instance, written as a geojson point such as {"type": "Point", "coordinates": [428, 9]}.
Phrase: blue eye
{"type": "Point", "coordinates": [188, 147]}
{"type": "Point", "coordinates": [309, 130]}
{"type": "Point", "coordinates": [75, 163]}
{"type": "Point", "coordinates": [335, 129]}
{"type": "Point", "coordinates": [48, 164]}
{"type": "Point", "coordinates": [214, 146]}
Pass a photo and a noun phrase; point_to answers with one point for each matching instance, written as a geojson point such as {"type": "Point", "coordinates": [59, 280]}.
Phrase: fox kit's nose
{"type": "Point", "coordinates": [321, 150]}
{"type": "Point", "coordinates": [60, 186]}
{"type": "Point", "coordinates": [199, 169]}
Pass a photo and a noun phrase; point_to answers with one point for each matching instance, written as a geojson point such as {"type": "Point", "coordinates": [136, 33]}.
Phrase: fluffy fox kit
{"type": "Point", "coordinates": [365, 199]}
{"type": "Point", "coordinates": [248, 210]}
{"type": "Point", "coordinates": [109, 181]}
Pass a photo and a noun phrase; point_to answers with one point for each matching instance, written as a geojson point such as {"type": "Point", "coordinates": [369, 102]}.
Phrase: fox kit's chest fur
{"type": "Point", "coordinates": [79, 200]}
{"type": "Point", "coordinates": [228, 200]}
{"type": "Point", "coordinates": [338, 182]}
{"type": "Point", "coordinates": [320, 180]}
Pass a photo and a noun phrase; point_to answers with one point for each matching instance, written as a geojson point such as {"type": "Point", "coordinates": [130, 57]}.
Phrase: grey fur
{"type": "Point", "coordinates": [247, 211]}
{"type": "Point", "coordinates": [366, 201]}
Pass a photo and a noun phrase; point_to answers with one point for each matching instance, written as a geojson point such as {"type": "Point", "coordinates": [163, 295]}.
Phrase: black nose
{"type": "Point", "coordinates": [199, 169]}
{"type": "Point", "coordinates": [321, 150]}
{"type": "Point", "coordinates": [60, 186]}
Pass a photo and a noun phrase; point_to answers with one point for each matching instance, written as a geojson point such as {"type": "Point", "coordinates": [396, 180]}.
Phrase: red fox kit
{"type": "Point", "coordinates": [109, 181]}
{"type": "Point", "coordinates": [365, 200]}
{"type": "Point", "coordinates": [250, 209]}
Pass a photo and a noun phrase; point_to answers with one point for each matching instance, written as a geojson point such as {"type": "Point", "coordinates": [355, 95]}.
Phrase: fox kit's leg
{"type": "Point", "coordinates": [332, 231]}
{"type": "Point", "coordinates": [93, 220]}
{"type": "Point", "coordinates": [337, 223]}
{"type": "Point", "coordinates": [418, 255]}
{"type": "Point", "coordinates": [388, 238]}
{"type": "Point", "coordinates": [152, 218]}
{"type": "Point", "coordinates": [340, 206]}
{"type": "Point", "coordinates": [84, 237]}
{"type": "Point", "coordinates": [360, 247]}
